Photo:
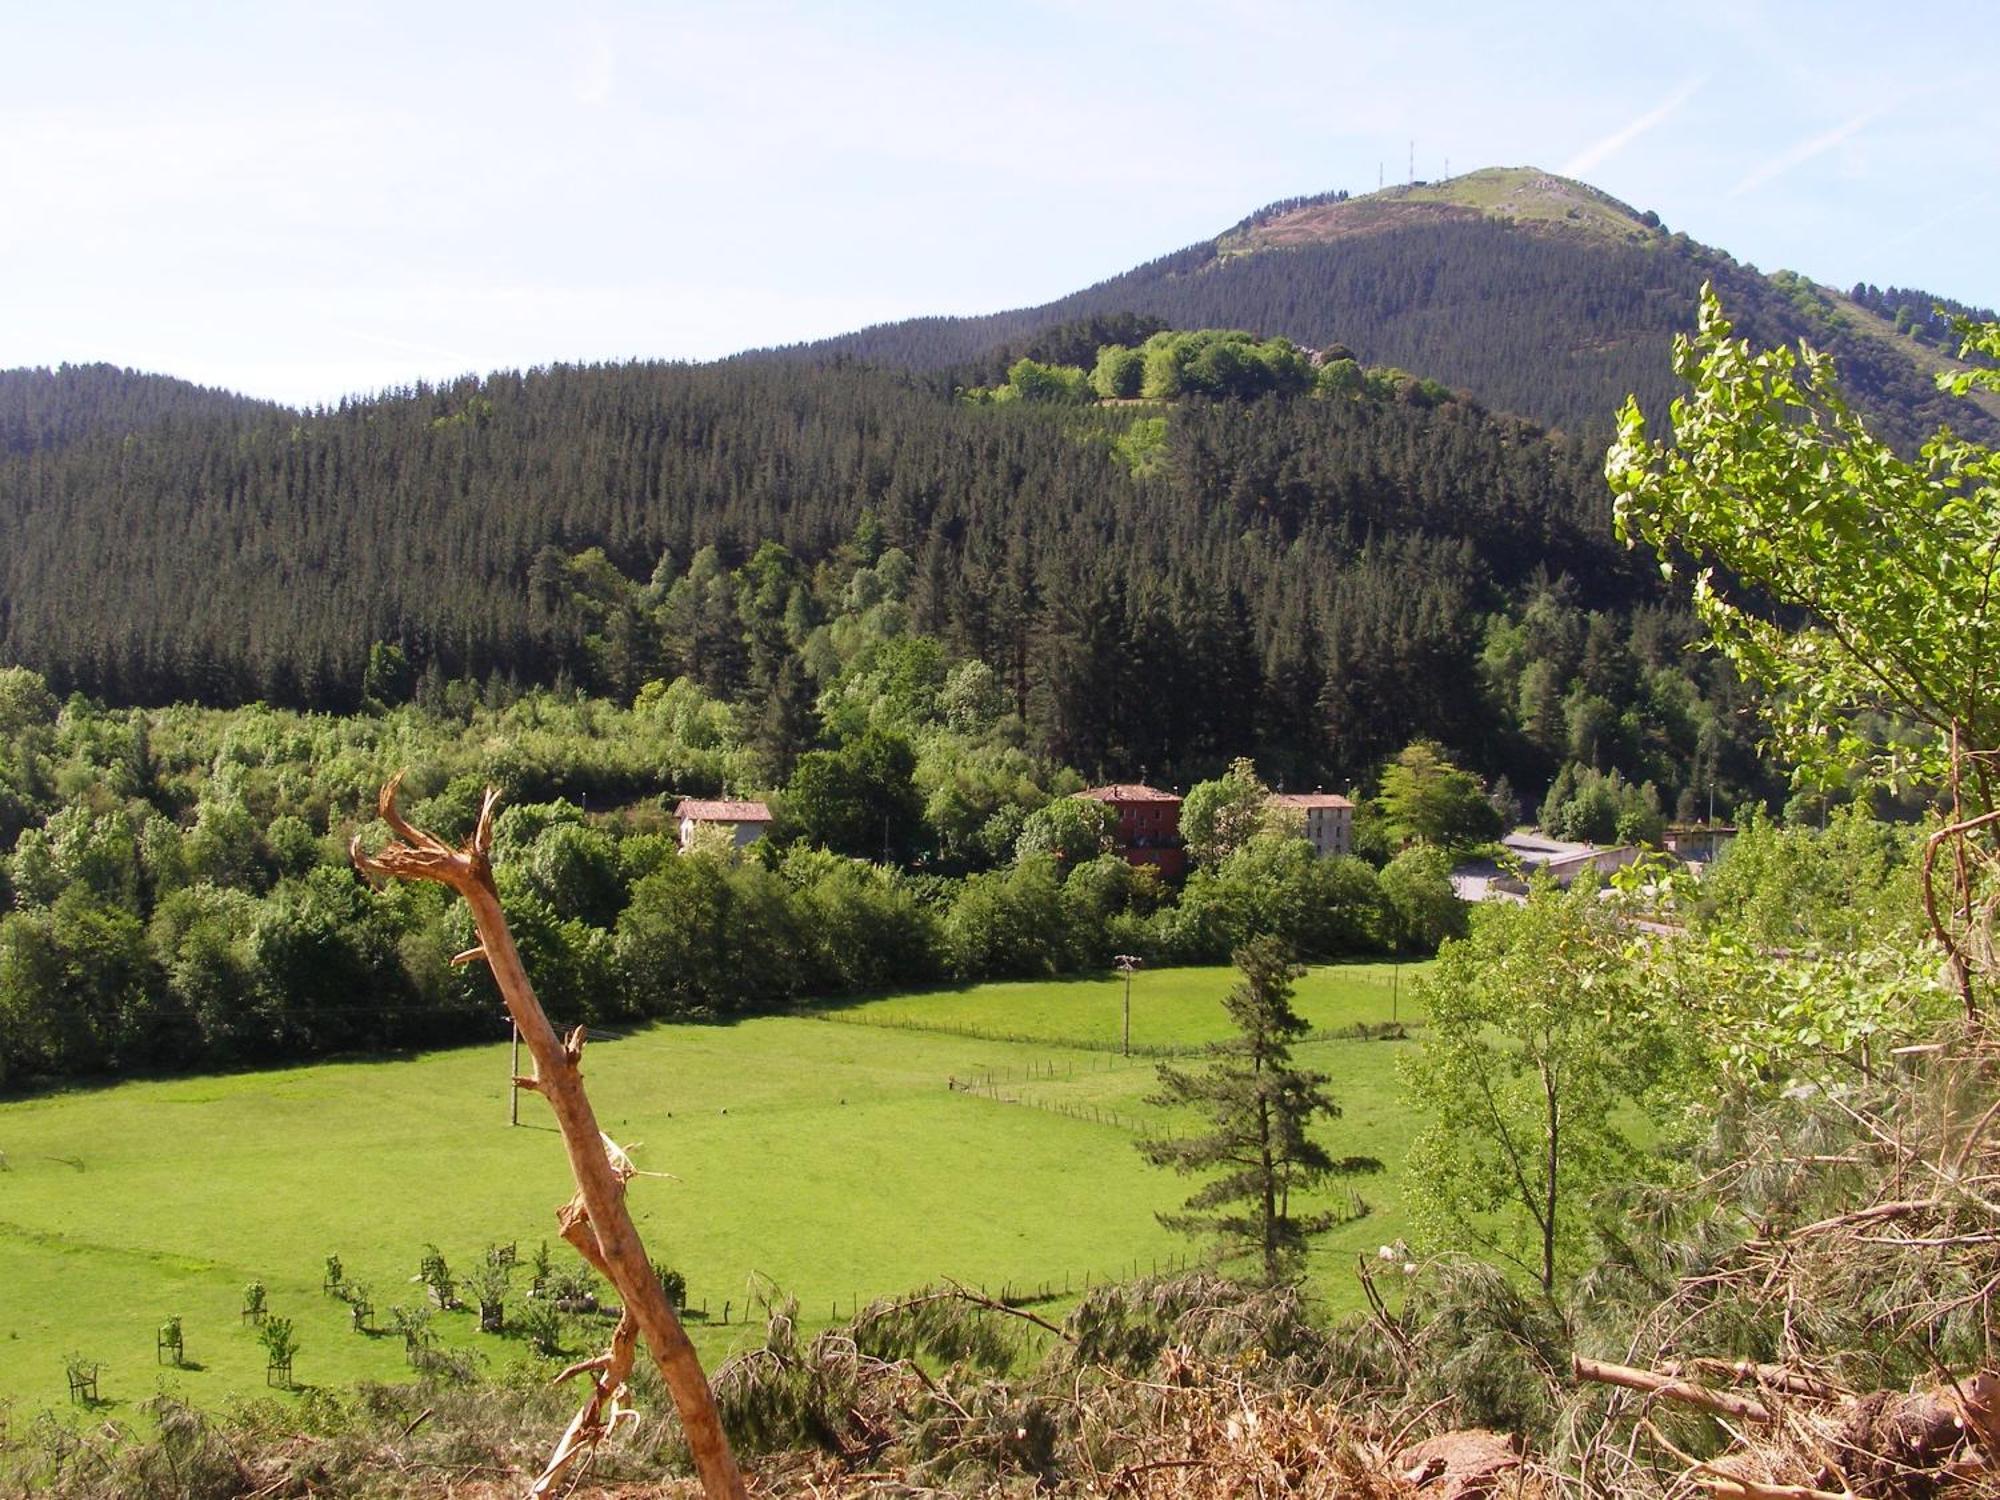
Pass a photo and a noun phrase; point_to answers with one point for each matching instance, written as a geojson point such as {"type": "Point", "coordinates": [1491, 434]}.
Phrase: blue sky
{"type": "Point", "coordinates": [302, 201]}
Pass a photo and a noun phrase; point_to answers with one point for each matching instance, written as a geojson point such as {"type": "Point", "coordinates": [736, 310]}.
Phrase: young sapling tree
{"type": "Point", "coordinates": [280, 1344]}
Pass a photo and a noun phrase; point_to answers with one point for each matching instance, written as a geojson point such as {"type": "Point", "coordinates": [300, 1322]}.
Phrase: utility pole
{"type": "Point", "coordinates": [1126, 963]}
{"type": "Point", "coordinates": [514, 1089]}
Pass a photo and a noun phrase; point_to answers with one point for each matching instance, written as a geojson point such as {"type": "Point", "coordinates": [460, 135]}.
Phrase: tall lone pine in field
{"type": "Point", "coordinates": [1259, 1108]}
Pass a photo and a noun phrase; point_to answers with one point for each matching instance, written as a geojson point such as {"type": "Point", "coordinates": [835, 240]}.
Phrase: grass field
{"type": "Point", "coordinates": [828, 1155]}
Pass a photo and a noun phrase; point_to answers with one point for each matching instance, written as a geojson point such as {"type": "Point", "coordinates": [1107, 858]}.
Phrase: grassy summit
{"type": "Point", "coordinates": [1517, 195]}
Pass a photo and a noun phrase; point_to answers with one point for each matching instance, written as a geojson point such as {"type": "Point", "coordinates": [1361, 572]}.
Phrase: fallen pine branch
{"type": "Point", "coordinates": [1771, 1377]}
{"type": "Point", "coordinates": [1671, 1388]}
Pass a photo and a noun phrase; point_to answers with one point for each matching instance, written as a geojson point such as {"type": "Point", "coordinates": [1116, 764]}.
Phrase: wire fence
{"type": "Point", "coordinates": [1009, 1293]}
{"type": "Point", "coordinates": [1096, 1114]}
{"type": "Point", "coordinates": [1016, 1038]}
{"type": "Point", "coordinates": [1359, 1031]}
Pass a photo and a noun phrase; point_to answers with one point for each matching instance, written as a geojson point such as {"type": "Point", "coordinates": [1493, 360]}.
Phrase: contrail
{"type": "Point", "coordinates": [1804, 152]}
{"type": "Point", "coordinates": [1618, 140]}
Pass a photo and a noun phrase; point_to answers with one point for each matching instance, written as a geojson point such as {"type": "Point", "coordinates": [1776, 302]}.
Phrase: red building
{"type": "Point", "coordinates": [1149, 825]}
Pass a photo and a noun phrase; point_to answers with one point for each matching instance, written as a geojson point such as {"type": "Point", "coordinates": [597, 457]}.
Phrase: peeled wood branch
{"type": "Point", "coordinates": [1773, 1377]}
{"type": "Point", "coordinates": [601, 1412]}
{"type": "Point", "coordinates": [1670, 1388]}
{"type": "Point", "coordinates": [595, 1221]}
{"type": "Point", "coordinates": [1730, 1487]}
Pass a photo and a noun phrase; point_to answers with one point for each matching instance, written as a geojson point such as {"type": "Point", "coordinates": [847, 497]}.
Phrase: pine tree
{"type": "Point", "coordinates": [1259, 1108]}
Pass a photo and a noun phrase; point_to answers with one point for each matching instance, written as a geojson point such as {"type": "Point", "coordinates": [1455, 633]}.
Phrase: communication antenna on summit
{"type": "Point", "coordinates": [1378, 176]}
{"type": "Point", "coordinates": [1413, 161]}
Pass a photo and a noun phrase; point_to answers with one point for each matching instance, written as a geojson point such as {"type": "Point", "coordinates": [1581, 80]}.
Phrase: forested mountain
{"type": "Point", "coordinates": [913, 607]}
{"type": "Point", "coordinates": [1536, 294]}
{"type": "Point", "coordinates": [1341, 561]}
{"type": "Point", "coordinates": [42, 408]}
{"type": "Point", "coordinates": [1285, 553]}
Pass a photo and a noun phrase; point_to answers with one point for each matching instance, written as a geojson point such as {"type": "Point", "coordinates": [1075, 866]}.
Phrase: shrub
{"type": "Point", "coordinates": [436, 1275]}
{"type": "Point", "coordinates": [540, 1322]}
{"type": "Point", "coordinates": [489, 1286]}
{"type": "Point", "coordinates": [280, 1344]}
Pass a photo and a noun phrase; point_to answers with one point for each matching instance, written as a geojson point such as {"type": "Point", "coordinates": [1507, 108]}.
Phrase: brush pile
{"type": "Point", "coordinates": [1842, 1345]}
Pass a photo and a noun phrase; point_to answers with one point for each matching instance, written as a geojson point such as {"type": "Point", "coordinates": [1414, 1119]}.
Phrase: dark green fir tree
{"type": "Point", "coordinates": [1259, 1109]}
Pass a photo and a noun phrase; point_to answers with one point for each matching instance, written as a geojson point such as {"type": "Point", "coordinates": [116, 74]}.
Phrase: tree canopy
{"type": "Point", "coordinates": [1855, 585]}
{"type": "Point", "coordinates": [1426, 799]}
{"type": "Point", "coordinates": [1528, 1068]}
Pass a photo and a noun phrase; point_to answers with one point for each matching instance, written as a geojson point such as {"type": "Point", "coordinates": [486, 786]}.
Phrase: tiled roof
{"type": "Point", "coordinates": [1128, 791]}
{"type": "Point", "coordinates": [722, 812]}
{"type": "Point", "coordinates": [1305, 801]}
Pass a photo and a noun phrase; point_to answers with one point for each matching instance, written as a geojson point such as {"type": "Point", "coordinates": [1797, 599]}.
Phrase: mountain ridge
{"type": "Point", "coordinates": [45, 408]}
{"type": "Point", "coordinates": [1533, 292]}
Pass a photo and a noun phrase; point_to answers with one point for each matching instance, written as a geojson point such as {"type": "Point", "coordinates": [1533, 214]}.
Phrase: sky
{"type": "Point", "coordinates": [303, 202]}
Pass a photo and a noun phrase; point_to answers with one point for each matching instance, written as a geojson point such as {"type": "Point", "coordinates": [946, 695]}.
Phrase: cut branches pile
{"type": "Point", "coordinates": [1798, 1437]}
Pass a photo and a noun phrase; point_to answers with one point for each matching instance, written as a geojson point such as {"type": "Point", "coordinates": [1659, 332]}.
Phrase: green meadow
{"type": "Point", "coordinates": [983, 1134]}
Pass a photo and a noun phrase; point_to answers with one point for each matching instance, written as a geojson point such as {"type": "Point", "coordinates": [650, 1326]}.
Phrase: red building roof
{"type": "Point", "coordinates": [722, 812]}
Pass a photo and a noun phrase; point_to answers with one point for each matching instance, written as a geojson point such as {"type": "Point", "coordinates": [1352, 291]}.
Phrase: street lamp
{"type": "Point", "coordinates": [1126, 963]}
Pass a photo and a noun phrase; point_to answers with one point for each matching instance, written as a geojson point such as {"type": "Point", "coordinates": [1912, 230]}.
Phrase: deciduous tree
{"type": "Point", "coordinates": [1427, 799]}
{"type": "Point", "coordinates": [1785, 501]}
{"type": "Point", "coordinates": [1528, 1069]}
{"type": "Point", "coordinates": [1219, 816]}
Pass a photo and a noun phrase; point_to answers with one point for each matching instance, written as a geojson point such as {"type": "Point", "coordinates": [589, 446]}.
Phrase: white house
{"type": "Point", "coordinates": [1329, 819]}
{"type": "Point", "coordinates": [746, 821]}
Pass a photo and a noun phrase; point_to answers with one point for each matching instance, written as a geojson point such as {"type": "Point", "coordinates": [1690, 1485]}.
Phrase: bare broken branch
{"type": "Point", "coordinates": [595, 1221]}
{"type": "Point", "coordinates": [1772, 1377]}
{"type": "Point", "coordinates": [1671, 1388]}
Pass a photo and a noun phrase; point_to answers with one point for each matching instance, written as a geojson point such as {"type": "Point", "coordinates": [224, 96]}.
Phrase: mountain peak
{"type": "Point", "coordinates": [1520, 195]}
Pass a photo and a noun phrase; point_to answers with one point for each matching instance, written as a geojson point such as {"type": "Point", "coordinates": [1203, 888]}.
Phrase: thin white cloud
{"type": "Point", "coordinates": [1618, 140]}
{"type": "Point", "coordinates": [1804, 152]}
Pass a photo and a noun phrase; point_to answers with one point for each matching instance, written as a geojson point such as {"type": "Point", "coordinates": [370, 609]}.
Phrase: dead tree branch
{"type": "Point", "coordinates": [596, 1221]}
{"type": "Point", "coordinates": [1670, 1388]}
